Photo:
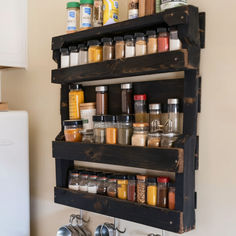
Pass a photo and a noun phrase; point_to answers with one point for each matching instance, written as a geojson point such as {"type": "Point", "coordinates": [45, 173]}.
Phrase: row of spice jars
{"type": "Point", "coordinates": [154, 191]}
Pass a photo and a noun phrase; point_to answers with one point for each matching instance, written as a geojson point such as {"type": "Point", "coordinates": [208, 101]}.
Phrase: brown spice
{"type": "Point", "coordinates": [150, 7]}
{"type": "Point", "coordinates": [162, 197]}
{"type": "Point", "coordinates": [108, 52]}
{"type": "Point", "coordinates": [142, 8]}
{"type": "Point", "coordinates": [152, 45]}
{"type": "Point", "coordinates": [120, 49]}
{"type": "Point", "coordinates": [141, 48]}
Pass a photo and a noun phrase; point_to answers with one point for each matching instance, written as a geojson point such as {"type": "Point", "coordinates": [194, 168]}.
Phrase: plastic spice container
{"type": "Point", "coordinates": [140, 44]}
{"type": "Point", "coordinates": [133, 9]}
{"type": "Point", "coordinates": [150, 7]}
{"type": "Point", "coordinates": [83, 185]}
{"type": "Point", "coordinates": [152, 191]}
{"type": "Point", "coordinates": [111, 129]}
{"type": "Point", "coordinates": [140, 108]}
{"type": "Point", "coordinates": [110, 12]}
{"type": "Point", "coordinates": [102, 184]}
{"type": "Point", "coordinates": [74, 180]}
{"type": "Point", "coordinates": [163, 40]}
{"type": "Point", "coordinates": [87, 110]}
{"type": "Point", "coordinates": [98, 13]}
{"type": "Point", "coordinates": [76, 97]}
{"type": "Point", "coordinates": [86, 14]}
{"type": "Point", "coordinates": [129, 46]}
{"type": "Point", "coordinates": [65, 57]}
{"type": "Point", "coordinates": [158, 6]}
{"type": "Point", "coordinates": [92, 183]}
{"type": "Point", "coordinates": [167, 4]}
{"type": "Point", "coordinates": [154, 140]}
{"type": "Point", "coordinates": [94, 51]}
{"type": "Point", "coordinates": [155, 117]}
{"type": "Point", "coordinates": [83, 54]}
{"type": "Point", "coordinates": [175, 43]}
{"type": "Point", "coordinates": [140, 133]}
{"type": "Point", "coordinates": [167, 139]}
{"type": "Point", "coordinates": [125, 129]}
{"type": "Point", "coordinates": [122, 187]}
{"type": "Point", "coordinates": [142, 4]}
{"type": "Point", "coordinates": [141, 188]}
{"type": "Point", "coordinates": [108, 49]}
{"type": "Point", "coordinates": [173, 116]}
{"type": "Point", "coordinates": [119, 47]}
{"type": "Point", "coordinates": [127, 98]}
{"type": "Point", "coordinates": [99, 129]}
{"type": "Point", "coordinates": [74, 56]}
{"type": "Point", "coordinates": [151, 42]}
{"type": "Point", "coordinates": [171, 197]}
{"type": "Point", "coordinates": [73, 16]}
{"type": "Point", "coordinates": [72, 130]}
{"type": "Point", "coordinates": [131, 188]}
{"type": "Point", "coordinates": [112, 186]}
{"type": "Point", "coordinates": [102, 100]}
{"type": "Point", "coordinates": [88, 136]}
{"type": "Point", "coordinates": [162, 191]}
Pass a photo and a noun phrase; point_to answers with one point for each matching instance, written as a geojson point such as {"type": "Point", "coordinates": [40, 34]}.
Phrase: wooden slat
{"type": "Point", "coordinates": [202, 28]}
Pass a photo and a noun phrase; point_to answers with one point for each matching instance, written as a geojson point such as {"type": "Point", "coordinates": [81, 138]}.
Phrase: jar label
{"type": "Point", "coordinates": [86, 17]}
{"type": "Point", "coordinates": [110, 11]}
{"type": "Point", "coordinates": [167, 4]}
{"type": "Point", "coordinates": [71, 20]}
{"type": "Point", "coordinates": [133, 13]}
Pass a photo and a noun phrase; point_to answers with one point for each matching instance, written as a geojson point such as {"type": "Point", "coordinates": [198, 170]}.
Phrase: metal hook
{"type": "Point", "coordinates": [117, 229]}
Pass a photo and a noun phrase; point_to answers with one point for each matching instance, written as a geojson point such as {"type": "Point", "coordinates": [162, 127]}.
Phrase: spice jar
{"type": "Point", "coordinates": [140, 133]}
{"type": "Point", "coordinates": [162, 191]}
{"type": "Point", "coordinates": [87, 111]}
{"type": "Point", "coordinates": [125, 129]}
{"type": "Point", "coordinates": [132, 188]}
{"type": "Point", "coordinates": [163, 40]}
{"type": "Point", "coordinates": [155, 117]}
{"type": "Point", "coordinates": [158, 6]}
{"type": "Point", "coordinates": [108, 49]}
{"type": "Point", "coordinates": [175, 43]}
{"type": "Point", "coordinates": [140, 108]}
{"type": "Point", "coordinates": [152, 191]}
{"type": "Point", "coordinates": [86, 14]}
{"type": "Point", "coordinates": [154, 140]}
{"type": "Point", "coordinates": [171, 196]}
{"type": "Point", "coordinates": [122, 185]}
{"type": "Point", "coordinates": [83, 54]}
{"type": "Point", "coordinates": [72, 130]}
{"type": "Point", "coordinates": [150, 7]}
{"type": "Point", "coordinates": [65, 57]}
{"type": "Point", "coordinates": [76, 97]}
{"type": "Point", "coordinates": [110, 12]}
{"type": "Point", "coordinates": [133, 8]}
{"type": "Point", "coordinates": [112, 186]}
{"type": "Point", "coordinates": [129, 46]}
{"type": "Point", "coordinates": [101, 100]}
{"type": "Point", "coordinates": [151, 42]}
{"type": "Point", "coordinates": [142, 4]}
{"type": "Point", "coordinates": [140, 45]}
{"type": "Point", "coordinates": [74, 180]}
{"type": "Point", "coordinates": [111, 129]}
{"type": "Point", "coordinates": [88, 136]}
{"type": "Point", "coordinates": [92, 183]}
{"type": "Point", "coordinates": [73, 16]}
{"type": "Point", "coordinates": [167, 4]}
{"type": "Point", "coordinates": [74, 56]}
{"type": "Point", "coordinates": [127, 98]}
{"type": "Point", "coordinates": [173, 116]}
{"type": "Point", "coordinates": [119, 47]}
{"type": "Point", "coordinates": [98, 13]}
{"type": "Point", "coordinates": [83, 185]}
{"type": "Point", "coordinates": [141, 188]}
{"type": "Point", "coordinates": [99, 129]}
{"type": "Point", "coordinates": [94, 51]}
{"type": "Point", "coordinates": [102, 184]}
{"type": "Point", "coordinates": [167, 139]}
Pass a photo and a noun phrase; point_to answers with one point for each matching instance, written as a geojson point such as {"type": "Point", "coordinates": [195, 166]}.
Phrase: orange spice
{"type": "Point", "coordinates": [73, 135]}
{"type": "Point", "coordinates": [111, 135]}
{"type": "Point", "coordinates": [171, 198]}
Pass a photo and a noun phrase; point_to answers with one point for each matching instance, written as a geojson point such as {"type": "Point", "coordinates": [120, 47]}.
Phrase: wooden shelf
{"type": "Point", "coordinates": [152, 216]}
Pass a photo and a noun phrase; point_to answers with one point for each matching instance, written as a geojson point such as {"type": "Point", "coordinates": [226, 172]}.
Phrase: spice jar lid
{"type": "Point", "coordinates": [118, 38]}
{"type": "Point", "coordinates": [140, 125]}
{"type": "Point", "coordinates": [128, 37]}
{"type": "Point", "coordinates": [72, 5]}
{"type": "Point", "coordinates": [98, 119]}
{"type": "Point", "coordinates": [131, 177]}
{"type": "Point", "coordinates": [75, 172]}
{"type": "Point", "coordinates": [139, 35]}
{"type": "Point", "coordinates": [109, 118]}
{"type": "Point", "coordinates": [82, 46]}
{"type": "Point", "coordinates": [89, 105]}
{"type": "Point", "coordinates": [142, 97]}
{"type": "Point", "coordinates": [126, 86]}
{"type": "Point", "coordinates": [107, 40]}
{"type": "Point", "coordinates": [65, 51]}
{"type": "Point", "coordinates": [141, 177]}
{"type": "Point", "coordinates": [151, 33]}
{"type": "Point", "coordinates": [156, 106]}
{"type": "Point", "coordinates": [93, 42]}
{"type": "Point", "coordinates": [75, 86]}
{"type": "Point", "coordinates": [163, 180]}
{"type": "Point", "coordinates": [72, 122]}
{"type": "Point", "coordinates": [172, 185]}
{"type": "Point", "coordinates": [161, 30]}
{"type": "Point", "coordinates": [101, 89]}
{"type": "Point", "coordinates": [86, 1]}
{"type": "Point", "coordinates": [124, 177]}
{"type": "Point", "coordinates": [152, 180]}
{"type": "Point", "coordinates": [125, 118]}
{"type": "Point", "coordinates": [173, 101]}
{"type": "Point", "coordinates": [73, 49]}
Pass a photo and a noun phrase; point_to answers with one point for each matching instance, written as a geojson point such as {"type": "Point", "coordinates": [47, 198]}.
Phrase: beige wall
{"type": "Point", "coordinates": [31, 90]}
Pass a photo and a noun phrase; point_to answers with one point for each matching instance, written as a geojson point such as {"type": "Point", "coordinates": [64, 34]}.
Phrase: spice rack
{"type": "Point", "coordinates": [182, 159]}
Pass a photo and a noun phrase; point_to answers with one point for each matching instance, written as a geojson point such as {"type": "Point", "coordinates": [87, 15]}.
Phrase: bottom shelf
{"type": "Point", "coordinates": [143, 214]}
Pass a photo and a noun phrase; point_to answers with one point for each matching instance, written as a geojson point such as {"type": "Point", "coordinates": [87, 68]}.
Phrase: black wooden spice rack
{"type": "Point", "coordinates": [182, 159]}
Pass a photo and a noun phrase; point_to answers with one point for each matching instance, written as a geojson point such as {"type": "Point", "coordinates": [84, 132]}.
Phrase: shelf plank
{"type": "Point", "coordinates": [149, 158]}
{"type": "Point", "coordinates": [152, 216]}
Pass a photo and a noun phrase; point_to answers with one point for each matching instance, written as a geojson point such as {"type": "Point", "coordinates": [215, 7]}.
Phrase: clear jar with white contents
{"type": "Point", "coordinates": [92, 183]}
{"type": "Point", "coordinates": [173, 116]}
{"type": "Point", "coordinates": [167, 139]}
{"type": "Point", "coordinates": [140, 134]}
{"type": "Point", "coordinates": [74, 180]}
{"type": "Point", "coordinates": [83, 54]}
{"type": "Point", "coordinates": [74, 56]}
{"type": "Point", "coordinates": [65, 57]}
{"type": "Point", "coordinates": [129, 46]}
{"type": "Point", "coordinates": [83, 185]}
{"type": "Point", "coordinates": [140, 45]}
{"type": "Point", "coordinates": [175, 43]}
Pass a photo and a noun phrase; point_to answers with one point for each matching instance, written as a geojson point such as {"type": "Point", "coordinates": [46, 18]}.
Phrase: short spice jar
{"type": "Point", "coordinates": [87, 111]}
{"type": "Point", "coordinates": [129, 46]}
{"type": "Point", "coordinates": [99, 129]}
{"type": "Point", "coordinates": [108, 49]}
{"type": "Point", "coordinates": [125, 129]}
{"type": "Point", "coordinates": [65, 57]}
{"type": "Point", "coordinates": [83, 54]}
{"type": "Point", "coordinates": [112, 186]}
{"type": "Point", "coordinates": [92, 183]}
{"type": "Point", "coordinates": [72, 130]}
{"type": "Point", "coordinates": [162, 191]}
{"type": "Point", "coordinates": [152, 191]}
{"type": "Point", "coordinates": [171, 196]}
{"type": "Point", "coordinates": [140, 108]}
{"type": "Point", "coordinates": [88, 136]}
{"type": "Point", "coordinates": [140, 44]}
{"type": "Point", "coordinates": [86, 14]}
{"type": "Point", "coordinates": [101, 100]}
{"type": "Point", "coordinates": [119, 47]}
{"type": "Point", "coordinates": [127, 98]}
{"type": "Point", "coordinates": [98, 13]}
{"type": "Point", "coordinates": [102, 184]}
{"type": "Point", "coordinates": [74, 180]}
{"type": "Point", "coordinates": [163, 40]}
{"type": "Point", "coordinates": [94, 51]}
{"type": "Point", "coordinates": [83, 185]}
{"type": "Point", "coordinates": [140, 133]}
{"type": "Point", "coordinates": [141, 188]}
{"type": "Point", "coordinates": [111, 129]}
{"type": "Point", "coordinates": [151, 41]}
{"type": "Point", "coordinates": [155, 117]}
{"type": "Point", "coordinates": [74, 56]}
{"type": "Point", "coordinates": [131, 188]}
{"type": "Point", "coordinates": [175, 43]}
{"type": "Point", "coordinates": [133, 9]}
{"type": "Point", "coordinates": [73, 17]}
{"type": "Point", "coordinates": [154, 140]}
{"type": "Point", "coordinates": [122, 187]}
{"type": "Point", "coordinates": [167, 139]}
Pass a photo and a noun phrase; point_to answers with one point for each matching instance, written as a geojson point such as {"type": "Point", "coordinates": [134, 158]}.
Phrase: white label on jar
{"type": "Point", "coordinates": [92, 189]}
{"type": "Point", "coordinates": [133, 13]}
{"type": "Point", "coordinates": [74, 59]}
{"type": "Point", "coordinates": [74, 187]}
{"type": "Point", "coordinates": [87, 115]}
{"type": "Point", "coordinates": [65, 61]}
{"type": "Point", "coordinates": [84, 188]}
{"type": "Point", "coordinates": [129, 51]}
{"type": "Point", "coordinates": [85, 17]}
{"type": "Point", "coordinates": [166, 4]}
{"type": "Point", "coordinates": [71, 20]}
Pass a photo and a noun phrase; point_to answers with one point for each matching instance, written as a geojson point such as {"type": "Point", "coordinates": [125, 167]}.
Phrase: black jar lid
{"type": "Point", "coordinates": [139, 35]}
{"type": "Point", "coordinates": [82, 46]}
{"type": "Point", "coordinates": [110, 118]}
{"type": "Point", "coordinates": [94, 42]}
{"type": "Point", "coordinates": [151, 33]}
{"type": "Point", "coordinates": [152, 180]}
{"type": "Point", "coordinates": [128, 37]}
{"type": "Point", "coordinates": [161, 30]}
{"type": "Point", "coordinates": [131, 177]}
{"type": "Point", "coordinates": [98, 119]}
{"type": "Point", "coordinates": [125, 118]}
{"type": "Point", "coordinates": [73, 122]}
{"type": "Point", "coordinates": [65, 51]}
{"type": "Point", "coordinates": [124, 177]}
{"type": "Point", "coordinates": [107, 40]}
{"type": "Point", "coordinates": [73, 49]}
{"type": "Point", "coordinates": [74, 172]}
{"type": "Point", "coordinates": [118, 38]}
{"type": "Point", "coordinates": [75, 86]}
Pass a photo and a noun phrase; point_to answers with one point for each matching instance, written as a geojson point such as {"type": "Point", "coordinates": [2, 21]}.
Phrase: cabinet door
{"type": "Point", "coordinates": [13, 33]}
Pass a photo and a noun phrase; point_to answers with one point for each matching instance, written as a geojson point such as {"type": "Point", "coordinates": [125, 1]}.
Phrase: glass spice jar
{"type": "Point", "coordinates": [92, 183]}
{"type": "Point", "coordinates": [154, 140]}
{"type": "Point", "coordinates": [94, 51]}
{"type": "Point", "coordinates": [73, 16]}
{"type": "Point", "coordinates": [175, 43]}
{"type": "Point", "coordinates": [72, 130]}
{"type": "Point", "coordinates": [119, 47]}
{"type": "Point", "coordinates": [151, 42]}
{"type": "Point", "coordinates": [108, 49]}
{"type": "Point", "coordinates": [74, 180]}
{"type": "Point", "coordinates": [88, 136]}
{"type": "Point", "coordinates": [127, 98]}
{"type": "Point", "coordinates": [125, 129]}
{"type": "Point", "coordinates": [167, 139]}
{"type": "Point", "coordinates": [83, 185]}
{"type": "Point", "coordinates": [102, 184]}
{"type": "Point", "coordinates": [83, 54]}
{"type": "Point", "coordinates": [173, 116]}
{"type": "Point", "coordinates": [122, 184]}
{"type": "Point", "coordinates": [112, 186]}
{"type": "Point", "coordinates": [99, 129]}
{"type": "Point", "coordinates": [152, 191]}
{"type": "Point", "coordinates": [74, 56]}
{"type": "Point", "coordinates": [98, 13]}
{"type": "Point", "coordinates": [87, 111]}
{"type": "Point", "coordinates": [163, 40]}
{"type": "Point", "coordinates": [133, 9]}
{"type": "Point", "coordinates": [140, 133]}
{"type": "Point", "coordinates": [141, 188]}
{"type": "Point", "coordinates": [155, 117]}
{"type": "Point", "coordinates": [131, 188]}
{"type": "Point", "coordinates": [140, 44]}
{"type": "Point", "coordinates": [171, 196]}
{"type": "Point", "coordinates": [142, 8]}
{"type": "Point", "coordinates": [150, 7]}
{"type": "Point", "coordinates": [86, 14]}
{"type": "Point", "coordinates": [65, 57]}
{"type": "Point", "coordinates": [162, 191]}
{"type": "Point", "coordinates": [129, 46]}
{"type": "Point", "coordinates": [140, 108]}
{"type": "Point", "coordinates": [111, 129]}
{"type": "Point", "coordinates": [101, 100]}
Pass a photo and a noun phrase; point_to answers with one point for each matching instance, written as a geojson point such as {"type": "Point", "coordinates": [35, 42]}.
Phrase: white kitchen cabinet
{"type": "Point", "coordinates": [13, 36]}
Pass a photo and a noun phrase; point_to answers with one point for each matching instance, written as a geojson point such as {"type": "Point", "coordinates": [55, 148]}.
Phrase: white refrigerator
{"type": "Point", "coordinates": [14, 174]}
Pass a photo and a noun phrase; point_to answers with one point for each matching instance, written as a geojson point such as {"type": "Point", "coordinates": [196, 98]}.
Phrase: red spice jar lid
{"type": "Point", "coordinates": [139, 97]}
{"type": "Point", "coordinates": [164, 180]}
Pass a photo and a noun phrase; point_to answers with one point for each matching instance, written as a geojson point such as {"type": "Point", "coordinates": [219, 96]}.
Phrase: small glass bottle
{"type": "Point", "coordinates": [74, 56]}
{"type": "Point", "coordinates": [171, 196]}
{"type": "Point", "coordinates": [154, 140]}
{"type": "Point", "coordinates": [102, 184]}
{"type": "Point", "coordinates": [173, 116]}
{"type": "Point", "coordinates": [127, 98]}
{"type": "Point", "coordinates": [108, 49]}
{"type": "Point", "coordinates": [140, 108]}
{"type": "Point", "coordinates": [151, 42]}
{"type": "Point", "coordinates": [72, 130]}
{"type": "Point", "coordinates": [98, 13]}
{"type": "Point", "coordinates": [175, 43]}
{"type": "Point", "coordinates": [125, 129]}
{"type": "Point", "coordinates": [133, 9]}
{"type": "Point", "coordinates": [101, 100]}
{"type": "Point", "coordinates": [167, 139]}
{"type": "Point", "coordinates": [99, 129]}
{"type": "Point", "coordinates": [131, 188]}
{"type": "Point", "coordinates": [83, 54]}
{"type": "Point", "coordinates": [111, 129]}
{"type": "Point", "coordinates": [92, 183]}
{"type": "Point", "coordinates": [94, 51]}
{"type": "Point", "coordinates": [163, 40]}
{"type": "Point", "coordinates": [73, 17]}
{"type": "Point", "coordinates": [83, 185]}
{"type": "Point", "coordinates": [129, 46]}
{"type": "Point", "coordinates": [86, 14]}
{"type": "Point", "coordinates": [162, 191]}
{"type": "Point", "coordinates": [141, 188]}
{"type": "Point", "coordinates": [119, 47]}
{"type": "Point", "coordinates": [88, 136]}
{"type": "Point", "coordinates": [155, 117]}
{"type": "Point", "coordinates": [140, 44]}
{"type": "Point", "coordinates": [65, 57]}
{"type": "Point", "coordinates": [74, 180]}
{"type": "Point", "coordinates": [140, 133]}
{"type": "Point", "coordinates": [122, 187]}
{"type": "Point", "coordinates": [112, 186]}
{"type": "Point", "coordinates": [152, 191]}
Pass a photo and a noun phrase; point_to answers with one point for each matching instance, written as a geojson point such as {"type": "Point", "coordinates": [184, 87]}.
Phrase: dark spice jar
{"type": "Point", "coordinates": [102, 100]}
{"type": "Point", "coordinates": [127, 98]}
{"type": "Point", "coordinates": [132, 188]}
{"type": "Point", "coordinates": [162, 191]}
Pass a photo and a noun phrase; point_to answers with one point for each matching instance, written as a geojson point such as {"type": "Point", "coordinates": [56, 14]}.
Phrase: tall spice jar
{"type": "Point", "coordinates": [99, 129]}
{"type": "Point", "coordinates": [141, 188]}
{"type": "Point", "coordinates": [132, 188]}
{"type": "Point", "coordinates": [65, 57]}
{"type": "Point", "coordinates": [155, 117]}
{"type": "Point", "coordinates": [140, 44]}
{"type": "Point", "coordinates": [127, 98]}
{"type": "Point", "coordinates": [83, 54]}
{"type": "Point", "coordinates": [173, 116]}
{"type": "Point", "coordinates": [108, 49]}
{"type": "Point", "coordinates": [101, 100]}
{"type": "Point", "coordinates": [163, 40]}
{"type": "Point", "coordinates": [140, 133]}
{"type": "Point", "coordinates": [74, 56]}
{"type": "Point", "coordinates": [142, 5]}
{"type": "Point", "coordinates": [125, 129]}
{"type": "Point", "coordinates": [112, 186]}
{"type": "Point", "coordinates": [150, 7]}
{"type": "Point", "coordinates": [87, 110]}
{"type": "Point", "coordinates": [133, 9]}
{"type": "Point", "coordinates": [86, 14]}
{"type": "Point", "coordinates": [152, 191]}
{"type": "Point", "coordinates": [151, 41]}
{"type": "Point", "coordinates": [73, 16]}
{"type": "Point", "coordinates": [94, 51]}
{"type": "Point", "coordinates": [140, 108]}
{"type": "Point", "coordinates": [111, 129]}
{"type": "Point", "coordinates": [162, 191]}
{"type": "Point", "coordinates": [119, 47]}
{"type": "Point", "coordinates": [98, 13]}
{"type": "Point", "coordinates": [122, 187]}
{"type": "Point", "coordinates": [175, 43]}
{"type": "Point", "coordinates": [129, 46]}
{"type": "Point", "coordinates": [171, 196]}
